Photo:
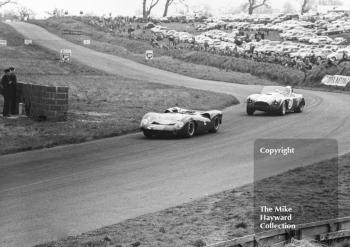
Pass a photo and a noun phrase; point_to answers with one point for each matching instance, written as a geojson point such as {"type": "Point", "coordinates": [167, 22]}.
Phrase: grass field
{"type": "Point", "coordinates": [222, 216]}
{"type": "Point", "coordinates": [201, 65]}
{"type": "Point", "coordinates": [100, 105]}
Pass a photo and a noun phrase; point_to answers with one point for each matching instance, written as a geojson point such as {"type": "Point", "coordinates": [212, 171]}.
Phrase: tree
{"type": "Point", "coordinates": [25, 13]}
{"type": "Point", "coordinates": [306, 6]}
{"type": "Point", "coordinates": [254, 4]}
{"type": "Point", "coordinates": [147, 8]}
{"type": "Point", "coordinates": [57, 12]}
{"type": "Point", "coordinates": [2, 3]}
{"type": "Point", "coordinates": [168, 3]}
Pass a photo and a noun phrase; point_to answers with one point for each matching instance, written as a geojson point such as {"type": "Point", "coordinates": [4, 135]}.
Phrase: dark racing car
{"type": "Point", "coordinates": [276, 99]}
{"type": "Point", "coordinates": [180, 122]}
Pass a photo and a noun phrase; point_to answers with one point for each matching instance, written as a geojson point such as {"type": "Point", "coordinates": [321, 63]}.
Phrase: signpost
{"type": "Point", "coordinates": [86, 42]}
{"type": "Point", "coordinates": [66, 55]}
{"type": "Point", "coordinates": [28, 41]}
{"type": "Point", "coordinates": [149, 55]}
{"type": "Point", "coordinates": [3, 42]}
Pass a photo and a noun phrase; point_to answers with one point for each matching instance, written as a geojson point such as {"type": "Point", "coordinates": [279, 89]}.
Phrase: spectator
{"type": "Point", "coordinates": [6, 82]}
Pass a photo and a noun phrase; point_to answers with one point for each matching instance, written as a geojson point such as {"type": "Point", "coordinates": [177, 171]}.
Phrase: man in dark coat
{"type": "Point", "coordinates": [8, 82]}
{"type": "Point", "coordinates": [5, 91]}
{"type": "Point", "coordinates": [13, 96]}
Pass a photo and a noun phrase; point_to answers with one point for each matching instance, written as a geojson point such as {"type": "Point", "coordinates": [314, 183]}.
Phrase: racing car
{"type": "Point", "coordinates": [177, 121]}
{"type": "Point", "coordinates": [276, 99]}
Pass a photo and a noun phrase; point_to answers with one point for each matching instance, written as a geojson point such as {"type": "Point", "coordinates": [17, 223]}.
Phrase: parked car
{"type": "Point", "coordinates": [321, 40]}
{"type": "Point", "coordinates": [338, 55]}
{"type": "Point", "coordinates": [339, 41]}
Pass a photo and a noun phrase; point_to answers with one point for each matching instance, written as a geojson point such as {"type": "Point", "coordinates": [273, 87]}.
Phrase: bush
{"type": "Point", "coordinates": [199, 243]}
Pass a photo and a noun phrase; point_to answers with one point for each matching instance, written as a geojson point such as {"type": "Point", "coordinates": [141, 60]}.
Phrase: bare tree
{"type": "Point", "coordinates": [56, 12]}
{"type": "Point", "coordinates": [254, 4]}
{"type": "Point", "coordinates": [306, 6]}
{"type": "Point", "coordinates": [147, 8]}
{"type": "Point", "coordinates": [168, 3]}
{"type": "Point", "coordinates": [2, 3]}
{"type": "Point", "coordinates": [25, 13]}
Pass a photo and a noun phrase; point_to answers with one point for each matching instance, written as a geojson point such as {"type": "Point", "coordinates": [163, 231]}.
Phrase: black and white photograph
{"type": "Point", "coordinates": [175, 123]}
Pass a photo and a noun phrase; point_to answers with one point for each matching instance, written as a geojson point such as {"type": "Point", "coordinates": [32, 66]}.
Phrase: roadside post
{"type": "Point", "coordinates": [86, 42]}
{"type": "Point", "coordinates": [28, 42]}
{"type": "Point", "coordinates": [66, 55]}
{"type": "Point", "coordinates": [3, 42]}
{"type": "Point", "coordinates": [20, 109]}
{"type": "Point", "coordinates": [149, 55]}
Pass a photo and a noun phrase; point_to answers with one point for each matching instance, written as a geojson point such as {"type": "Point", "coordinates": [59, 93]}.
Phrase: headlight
{"type": "Point", "coordinates": [249, 100]}
{"type": "Point", "coordinates": [144, 121]}
{"type": "Point", "coordinates": [275, 102]}
{"type": "Point", "coordinates": [179, 125]}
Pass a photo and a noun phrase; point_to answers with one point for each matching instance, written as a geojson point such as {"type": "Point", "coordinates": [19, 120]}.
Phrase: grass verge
{"type": "Point", "coordinates": [219, 217]}
{"type": "Point", "coordinates": [100, 105]}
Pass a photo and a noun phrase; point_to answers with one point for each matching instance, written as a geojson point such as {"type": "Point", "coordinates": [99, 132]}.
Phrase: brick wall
{"type": "Point", "coordinates": [43, 102]}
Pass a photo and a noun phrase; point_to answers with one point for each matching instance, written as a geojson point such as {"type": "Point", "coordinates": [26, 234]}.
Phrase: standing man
{"type": "Point", "coordinates": [6, 92]}
{"type": "Point", "coordinates": [13, 91]}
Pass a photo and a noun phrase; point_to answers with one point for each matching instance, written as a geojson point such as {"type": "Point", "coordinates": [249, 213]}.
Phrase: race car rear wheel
{"type": "Point", "coordinates": [300, 107]}
{"type": "Point", "coordinates": [250, 110]}
{"type": "Point", "coordinates": [283, 109]}
{"type": "Point", "coordinates": [190, 129]}
{"type": "Point", "coordinates": [148, 133]}
{"type": "Point", "coordinates": [216, 125]}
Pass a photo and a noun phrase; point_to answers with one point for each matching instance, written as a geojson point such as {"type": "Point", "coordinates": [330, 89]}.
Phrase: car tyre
{"type": "Point", "coordinates": [148, 133]}
{"type": "Point", "coordinates": [190, 129]}
{"type": "Point", "coordinates": [216, 125]}
{"type": "Point", "coordinates": [300, 107]}
{"type": "Point", "coordinates": [283, 109]}
{"type": "Point", "coordinates": [250, 110]}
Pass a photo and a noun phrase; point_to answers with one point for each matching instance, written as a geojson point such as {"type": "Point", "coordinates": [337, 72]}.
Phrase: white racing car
{"type": "Point", "coordinates": [275, 99]}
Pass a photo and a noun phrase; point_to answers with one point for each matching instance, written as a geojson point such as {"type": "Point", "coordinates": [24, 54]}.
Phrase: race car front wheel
{"type": "Point", "coordinates": [148, 133]}
{"type": "Point", "coordinates": [216, 124]}
{"type": "Point", "coordinates": [300, 107]}
{"type": "Point", "coordinates": [250, 110]}
{"type": "Point", "coordinates": [190, 129]}
{"type": "Point", "coordinates": [283, 109]}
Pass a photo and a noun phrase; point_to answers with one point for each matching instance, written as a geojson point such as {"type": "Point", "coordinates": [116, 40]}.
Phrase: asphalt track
{"type": "Point", "coordinates": [51, 193]}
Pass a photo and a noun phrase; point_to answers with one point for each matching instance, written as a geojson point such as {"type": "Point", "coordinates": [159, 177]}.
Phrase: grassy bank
{"type": "Point", "coordinates": [200, 65]}
{"type": "Point", "coordinates": [100, 105]}
{"type": "Point", "coordinates": [170, 60]}
{"type": "Point", "coordinates": [222, 216]}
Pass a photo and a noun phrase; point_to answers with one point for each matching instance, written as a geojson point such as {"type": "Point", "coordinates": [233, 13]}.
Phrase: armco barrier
{"type": "Point", "coordinates": [328, 230]}
{"type": "Point", "coordinates": [43, 102]}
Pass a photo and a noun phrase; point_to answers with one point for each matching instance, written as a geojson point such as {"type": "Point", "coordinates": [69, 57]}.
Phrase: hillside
{"type": "Point", "coordinates": [100, 105]}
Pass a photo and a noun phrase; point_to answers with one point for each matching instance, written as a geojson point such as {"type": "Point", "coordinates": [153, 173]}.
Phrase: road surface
{"type": "Point", "coordinates": [52, 193]}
